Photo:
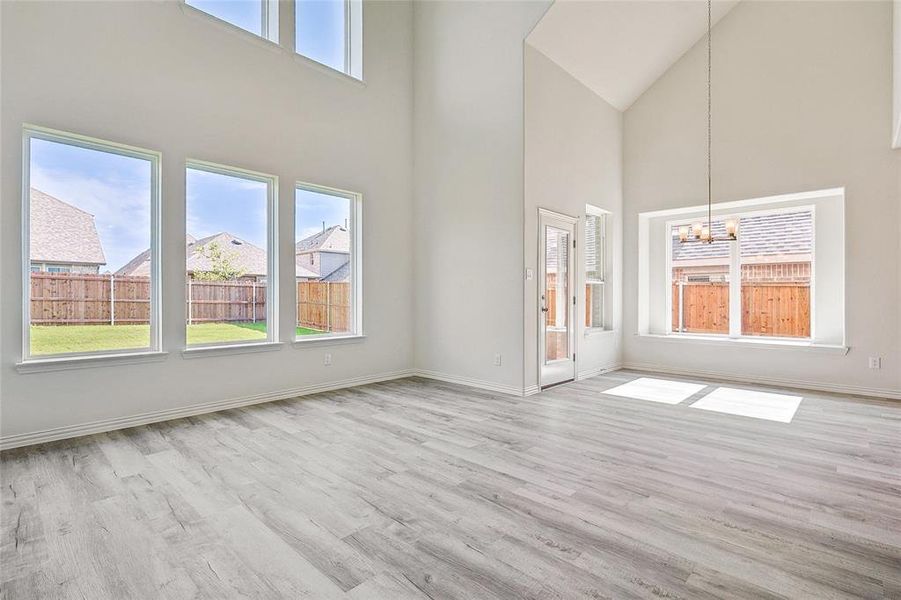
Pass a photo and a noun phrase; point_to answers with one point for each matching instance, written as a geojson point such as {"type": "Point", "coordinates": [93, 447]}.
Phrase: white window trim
{"type": "Point", "coordinates": [271, 182]}
{"type": "Point", "coordinates": [31, 132]}
{"type": "Point", "coordinates": [735, 308]}
{"type": "Point", "coordinates": [607, 312]}
{"type": "Point", "coordinates": [356, 263]}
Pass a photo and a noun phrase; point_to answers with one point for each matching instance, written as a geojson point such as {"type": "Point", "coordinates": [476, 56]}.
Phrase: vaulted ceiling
{"type": "Point", "coordinates": [618, 48]}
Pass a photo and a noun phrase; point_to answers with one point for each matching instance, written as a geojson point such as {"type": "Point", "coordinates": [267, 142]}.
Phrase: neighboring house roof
{"type": "Point", "coordinates": [781, 234]}
{"type": "Point", "coordinates": [334, 239]}
{"type": "Point", "coordinates": [339, 275]}
{"type": "Point", "coordinates": [245, 256]}
{"type": "Point", "coordinates": [62, 233]}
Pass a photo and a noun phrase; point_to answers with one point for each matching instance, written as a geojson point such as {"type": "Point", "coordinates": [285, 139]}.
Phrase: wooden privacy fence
{"type": "Point", "coordinates": [324, 305]}
{"type": "Point", "coordinates": [771, 309]}
{"type": "Point", "coordinates": [68, 299]}
{"type": "Point", "coordinates": [223, 301]}
{"type": "Point", "coordinates": [76, 299]}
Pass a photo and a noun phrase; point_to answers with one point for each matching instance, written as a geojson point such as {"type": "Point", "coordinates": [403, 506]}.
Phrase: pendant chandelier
{"type": "Point", "coordinates": [700, 231]}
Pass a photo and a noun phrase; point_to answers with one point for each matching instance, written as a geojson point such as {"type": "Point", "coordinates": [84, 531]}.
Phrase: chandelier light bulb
{"type": "Point", "coordinates": [731, 228]}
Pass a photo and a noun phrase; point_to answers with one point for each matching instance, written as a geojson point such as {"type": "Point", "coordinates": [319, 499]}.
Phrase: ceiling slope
{"type": "Point", "coordinates": [619, 48]}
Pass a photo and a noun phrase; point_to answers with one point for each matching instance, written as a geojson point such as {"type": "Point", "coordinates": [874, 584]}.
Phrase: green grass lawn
{"type": "Point", "coordinates": [57, 339]}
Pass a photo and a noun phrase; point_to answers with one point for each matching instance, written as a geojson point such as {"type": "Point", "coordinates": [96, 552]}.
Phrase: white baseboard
{"type": "Point", "coordinates": [82, 429]}
{"type": "Point", "coordinates": [774, 381]}
{"type": "Point", "coordinates": [476, 383]}
{"type": "Point", "coordinates": [531, 390]}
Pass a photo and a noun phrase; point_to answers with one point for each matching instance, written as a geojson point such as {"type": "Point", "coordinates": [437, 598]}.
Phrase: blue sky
{"type": "Point", "coordinates": [319, 25]}
{"type": "Point", "coordinates": [116, 190]}
{"type": "Point", "coordinates": [246, 14]}
{"type": "Point", "coordinates": [312, 208]}
{"type": "Point", "coordinates": [113, 188]}
{"type": "Point", "coordinates": [218, 203]}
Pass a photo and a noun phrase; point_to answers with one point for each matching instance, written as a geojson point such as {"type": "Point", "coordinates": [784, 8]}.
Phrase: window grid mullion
{"type": "Point", "coordinates": [735, 290]}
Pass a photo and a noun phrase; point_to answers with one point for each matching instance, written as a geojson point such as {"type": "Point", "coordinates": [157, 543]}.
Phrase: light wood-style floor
{"type": "Point", "coordinates": [418, 489]}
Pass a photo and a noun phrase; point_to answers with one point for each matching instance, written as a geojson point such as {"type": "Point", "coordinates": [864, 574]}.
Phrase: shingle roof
{"type": "Point", "coordinates": [768, 235]}
{"type": "Point", "coordinates": [251, 259]}
{"type": "Point", "coordinates": [62, 233]}
{"type": "Point", "coordinates": [244, 255]}
{"type": "Point", "coordinates": [335, 238]}
{"type": "Point", "coordinates": [340, 274]}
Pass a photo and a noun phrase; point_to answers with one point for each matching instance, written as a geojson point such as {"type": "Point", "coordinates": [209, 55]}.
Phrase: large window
{"type": "Point", "coordinates": [89, 207]}
{"type": "Point", "coordinates": [329, 32]}
{"type": "Point", "coordinates": [327, 262]}
{"type": "Point", "coordinates": [230, 258]}
{"type": "Point", "coordinates": [259, 17]}
{"type": "Point", "coordinates": [595, 258]}
{"type": "Point", "coordinates": [758, 286]}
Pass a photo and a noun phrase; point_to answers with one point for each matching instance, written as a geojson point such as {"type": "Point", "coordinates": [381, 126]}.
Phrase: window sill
{"type": "Point", "coordinates": [65, 363]}
{"type": "Point", "coordinates": [328, 340]}
{"type": "Point", "coordinates": [771, 344]}
{"type": "Point", "coordinates": [598, 332]}
{"type": "Point", "coordinates": [227, 349]}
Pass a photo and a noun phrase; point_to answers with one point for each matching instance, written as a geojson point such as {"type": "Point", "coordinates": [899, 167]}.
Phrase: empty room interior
{"type": "Point", "coordinates": [450, 299]}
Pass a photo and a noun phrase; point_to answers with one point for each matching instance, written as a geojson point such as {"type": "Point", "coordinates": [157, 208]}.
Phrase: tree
{"type": "Point", "coordinates": [222, 267]}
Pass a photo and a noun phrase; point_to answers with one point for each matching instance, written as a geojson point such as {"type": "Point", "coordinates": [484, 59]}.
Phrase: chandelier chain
{"type": "Point", "coordinates": [709, 119]}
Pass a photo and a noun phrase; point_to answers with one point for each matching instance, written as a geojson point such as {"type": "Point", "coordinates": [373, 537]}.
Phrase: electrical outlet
{"type": "Point", "coordinates": [875, 362]}
{"type": "Point", "coordinates": [328, 359]}
{"type": "Point", "coordinates": [497, 360]}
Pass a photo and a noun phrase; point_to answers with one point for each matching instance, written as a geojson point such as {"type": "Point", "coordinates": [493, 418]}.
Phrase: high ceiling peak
{"type": "Point", "coordinates": [619, 48]}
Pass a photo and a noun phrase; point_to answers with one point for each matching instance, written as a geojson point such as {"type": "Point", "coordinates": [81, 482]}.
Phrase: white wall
{"type": "Point", "coordinates": [468, 186]}
{"type": "Point", "coordinates": [573, 157]}
{"type": "Point", "coordinates": [802, 101]}
{"type": "Point", "coordinates": [896, 74]}
{"type": "Point", "coordinates": [165, 77]}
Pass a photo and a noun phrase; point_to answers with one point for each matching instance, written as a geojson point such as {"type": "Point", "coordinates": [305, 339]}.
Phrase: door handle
{"type": "Point", "coordinates": [544, 309]}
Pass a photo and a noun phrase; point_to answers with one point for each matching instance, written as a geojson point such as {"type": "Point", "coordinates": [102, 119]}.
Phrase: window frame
{"type": "Point", "coordinates": [604, 282]}
{"type": "Point", "coordinates": [31, 132]}
{"type": "Point", "coordinates": [734, 272]}
{"type": "Point", "coordinates": [271, 279]}
{"type": "Point", "coordinates": [356, 260]}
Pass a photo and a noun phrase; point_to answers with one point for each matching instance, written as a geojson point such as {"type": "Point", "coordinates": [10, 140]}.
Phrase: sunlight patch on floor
{"type": "Point", "coordinates": [656, 390]}
{"type": "Point", "coordinates": [749, 403]}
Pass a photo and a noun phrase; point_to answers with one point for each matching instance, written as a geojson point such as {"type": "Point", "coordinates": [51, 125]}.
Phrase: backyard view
{"type": "Point", "coordinates": [774, 252]}
{"type": "Point", "coordinates": [46, 339]}
{"type": "Point", "coordinates": [92, 269]}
